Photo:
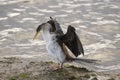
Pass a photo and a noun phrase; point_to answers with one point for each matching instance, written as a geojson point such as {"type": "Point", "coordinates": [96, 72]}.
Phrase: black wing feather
{"type": "Point", "coordinates": [55, 26]}
{"type": "Point", "coordinates": [71, 40]}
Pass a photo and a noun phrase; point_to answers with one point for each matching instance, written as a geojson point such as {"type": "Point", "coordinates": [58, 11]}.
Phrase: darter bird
{"type": "Point", "coordinates": [57, 42]}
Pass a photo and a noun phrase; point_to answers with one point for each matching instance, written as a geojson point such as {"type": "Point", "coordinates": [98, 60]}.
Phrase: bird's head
{"type": "Point", "coordinates": [43, 26]}
{"type": "Point", "coordinates": [38, 30]}
{"type": "Point", "coordinates": [48, 26]}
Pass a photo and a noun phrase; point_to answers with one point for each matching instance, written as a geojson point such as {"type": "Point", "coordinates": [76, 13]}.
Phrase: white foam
{"type": "Point", "coordinates": [22, 56]}
{"type": "Point", "coordinates": [54, 6]}
{"type": "Point", "coordinates": [82, 26]}
{"type": "Point", "coordinates": [108, 68]}
{"type": "Point", "coordinates": [64, 15]}
{"type": "Point", "coordinates": [12, 14]}
{"type": "Point", "coordinates": [37, 1]}
{"type": "Point", "coordinates": [86, 15]}
{"type": "Point", "coordinates": [117, 36]}
{"type": "Point", "coordinates": [113, 15]}
{"type": "Point", "coordinates": [114, 6]}
{"type": "Point", "coordinates": [98, 3]}
{"type": "Point", "coordinates": [16, 9]}
{"type": "Point", "coordinates": [76, 22]}
{"type": "Point", "coordinates": [5, 32]}
{"type": "Point", "coordinates": [35, 42]}
{"type": "Point", "coordinates": [14, 1]}
{"type": "Point", "coordinates": [102, 7]}
{"type": "Point", "coordinates": [69, 5]}
{"type": "Point", "coordinates": [65, 1]}
{"type": "Point", "coordinates": [36, 13]}
{"type": "Point", "coordinates": [73, 5]}
{"type": "Point", "coordinates": [3, 2]}
{"type": "Point", "coordinates": [86, 4]}
{"type": "Point", "coordinates": [2, 40]}
{"type": "Point", "coordinates": [28, 19]}
{"type": "Point", "coordinates": [17, 1]}
{"type": "Point", "coordinates": [67, 11]}
{"type": "Point", "coordinates": [92, 48]}
{"type": "Point", "coordinates": [91, 33]}
{"type": "Point", "coordinates": [61, 4]}
{"type": "Point", "coordinates": [94, 13]}
{"type": "Point", "coordinates": [46, 11]}
{"type": "Point", "coordinates": [104, 22]}
{"type": "Point", "coordinates": [3, 18]}
{"type": "Point", "coordinates": [99, 18]}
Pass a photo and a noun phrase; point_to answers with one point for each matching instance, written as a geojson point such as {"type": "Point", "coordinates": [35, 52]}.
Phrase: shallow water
{"type": "Point", "coordinates": [97, 23]}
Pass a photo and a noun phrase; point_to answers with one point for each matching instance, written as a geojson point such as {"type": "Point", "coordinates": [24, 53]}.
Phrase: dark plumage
{"type": "Point", "coordinates": [71, 40]}
{"type": "Point", "coordinates": [57, 41]}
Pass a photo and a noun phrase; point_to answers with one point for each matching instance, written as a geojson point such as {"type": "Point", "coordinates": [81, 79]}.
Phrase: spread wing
{"type": "Point", "coordinates": [55, 26]}
{"type": "Point", "coordinates": [71, 40]}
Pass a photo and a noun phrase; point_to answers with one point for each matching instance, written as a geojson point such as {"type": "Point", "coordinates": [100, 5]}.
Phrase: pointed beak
{"type": "Point", "coordinates": [35, 35]}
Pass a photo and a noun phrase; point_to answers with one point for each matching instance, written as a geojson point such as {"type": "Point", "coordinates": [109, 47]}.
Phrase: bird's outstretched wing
{"type": "Point", "coordinates": [55, 26]}
{"type": "Point", "coordinates": [71, 40]}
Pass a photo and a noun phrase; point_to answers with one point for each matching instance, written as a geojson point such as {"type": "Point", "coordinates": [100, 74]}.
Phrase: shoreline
{"type": "Point", "coordinates": [12, 68]}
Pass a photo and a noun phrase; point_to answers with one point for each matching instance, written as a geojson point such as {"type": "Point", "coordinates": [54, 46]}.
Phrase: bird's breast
{"type": "Point", "coordinates": [55, 51]}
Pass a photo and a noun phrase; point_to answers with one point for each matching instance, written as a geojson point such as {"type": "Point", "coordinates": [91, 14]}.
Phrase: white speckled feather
{"type": "Point", "coordinates": [53, 48]}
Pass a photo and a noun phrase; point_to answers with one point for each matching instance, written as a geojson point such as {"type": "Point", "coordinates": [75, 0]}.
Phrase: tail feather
{"type": "Point", "coordinates": [85, 60]}
{"type": "Point", "coordinates": [89, 64]}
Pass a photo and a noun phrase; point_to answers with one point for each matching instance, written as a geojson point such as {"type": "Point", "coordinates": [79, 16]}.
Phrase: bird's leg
{"type": "Point", "coordinates": [61, 65]}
